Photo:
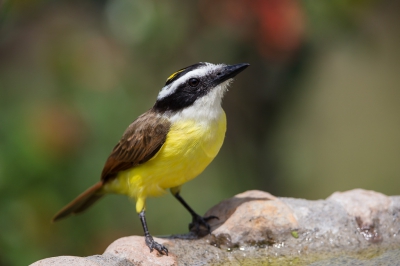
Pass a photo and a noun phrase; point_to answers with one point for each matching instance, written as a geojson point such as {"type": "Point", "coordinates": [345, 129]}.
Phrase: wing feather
{"type": "Point", "coordinates": [140, 142]}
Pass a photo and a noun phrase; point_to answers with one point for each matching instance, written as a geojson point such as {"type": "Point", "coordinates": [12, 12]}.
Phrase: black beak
{"type": "Point", "coordinates": [229, 72]}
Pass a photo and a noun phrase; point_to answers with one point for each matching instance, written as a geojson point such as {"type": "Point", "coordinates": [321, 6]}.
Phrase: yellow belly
{"type": "Point", "coordinates": [188, 150]}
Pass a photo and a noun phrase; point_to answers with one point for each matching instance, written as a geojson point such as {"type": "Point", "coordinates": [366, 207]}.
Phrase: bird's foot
{"type": "Point", "coordinates": [201, 221]}
{"type": "Point", "coordinates": [154, 245]}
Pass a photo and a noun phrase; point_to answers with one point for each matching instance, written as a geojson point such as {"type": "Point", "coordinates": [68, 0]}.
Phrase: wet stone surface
{"type": "Point", "coordinates": [356, 227]}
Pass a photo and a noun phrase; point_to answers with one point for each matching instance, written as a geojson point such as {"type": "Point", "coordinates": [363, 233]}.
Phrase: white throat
{"type": "Point", "coordinates": [205, 109]}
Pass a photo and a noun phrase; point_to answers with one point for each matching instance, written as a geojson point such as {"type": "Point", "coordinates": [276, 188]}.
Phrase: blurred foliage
{"type": "Point", "coordinates": [316, 112]}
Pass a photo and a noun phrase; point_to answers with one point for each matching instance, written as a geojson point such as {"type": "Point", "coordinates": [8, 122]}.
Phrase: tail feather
{"type": "Point", "coordinates": [82, 202]}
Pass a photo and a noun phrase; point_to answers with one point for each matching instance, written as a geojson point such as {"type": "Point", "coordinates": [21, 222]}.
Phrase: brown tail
{"type": "Point", "coordinates": [82, 202]}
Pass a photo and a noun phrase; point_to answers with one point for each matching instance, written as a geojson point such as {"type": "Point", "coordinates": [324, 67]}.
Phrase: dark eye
{"type": "Point", "coordinates": [193, 82]}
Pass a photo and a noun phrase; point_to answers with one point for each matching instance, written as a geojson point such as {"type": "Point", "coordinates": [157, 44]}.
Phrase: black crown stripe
{"type": "Point", "coordinates": [182, 72]}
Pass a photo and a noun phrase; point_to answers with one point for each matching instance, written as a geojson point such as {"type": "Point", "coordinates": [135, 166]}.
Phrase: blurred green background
{"type": "Point", "coordinates": [316, 112]}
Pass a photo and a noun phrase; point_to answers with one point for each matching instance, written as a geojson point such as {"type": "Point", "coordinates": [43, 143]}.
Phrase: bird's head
{"type": "Point", "coordinates": [196, 87]}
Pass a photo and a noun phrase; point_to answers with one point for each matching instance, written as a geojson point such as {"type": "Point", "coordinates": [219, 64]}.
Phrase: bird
{"type": "Point", "coordinates": [168, 145]}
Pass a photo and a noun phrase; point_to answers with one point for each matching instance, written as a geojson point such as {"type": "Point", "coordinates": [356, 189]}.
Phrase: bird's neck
{"type": "Point", "coordinates": [201, 111]}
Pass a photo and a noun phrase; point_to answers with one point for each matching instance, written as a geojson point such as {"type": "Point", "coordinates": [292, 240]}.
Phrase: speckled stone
{"type": "Point", "coordinates": [66, 260]}
{"type": "Point", "coordinates": [134, 250]}
{"type": "Point", "coordinates": [252, 217]}
{"type": "Point", "coordinates": [356, 227]}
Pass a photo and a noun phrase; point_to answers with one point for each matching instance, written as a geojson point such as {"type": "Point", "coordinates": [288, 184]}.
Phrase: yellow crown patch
{"type": "Point", "coordinates": [174, 74]}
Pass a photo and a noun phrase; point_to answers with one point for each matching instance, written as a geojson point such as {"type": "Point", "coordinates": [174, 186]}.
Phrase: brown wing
{"type": "Point", "coordinates": [140, 142]}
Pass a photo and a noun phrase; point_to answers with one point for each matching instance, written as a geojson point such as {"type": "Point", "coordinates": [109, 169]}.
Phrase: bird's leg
{"type": "Point", "coordinates": [197, 220]}
{"type": "Point", "coordinates": [149, 239]}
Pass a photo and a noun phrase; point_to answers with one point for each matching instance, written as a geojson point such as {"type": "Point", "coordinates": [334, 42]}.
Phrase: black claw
{"type": "Point", "coordinates": [210, 217]}
{"type": "Point", "coordinates": [198, 221]}
{"type": "Point", "coordinates": [154, 245]}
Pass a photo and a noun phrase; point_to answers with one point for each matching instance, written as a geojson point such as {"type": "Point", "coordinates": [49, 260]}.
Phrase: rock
{"type": "Point", "coordinates": [366, 207]}
{"type": "Point", "coordinates": [253, 217]}
{"type": "Point", "coordinates": [66, 260]}
{"type": "Point", "coordinates": [126, 251]}
{"type": "Point", "coordinates": [254, 227]}
{"type": "Point", "coordinates": [134, 250]}
{"type": "Point", "coordinates": [365, 204]}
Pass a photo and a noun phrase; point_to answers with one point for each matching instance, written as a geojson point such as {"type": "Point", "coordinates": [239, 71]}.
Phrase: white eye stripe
{"type": "Point", "coordinates": [171, 88]}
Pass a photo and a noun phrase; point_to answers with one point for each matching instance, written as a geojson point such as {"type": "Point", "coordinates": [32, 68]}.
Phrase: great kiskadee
{"type": "Point", "coordinates": [168, 145]}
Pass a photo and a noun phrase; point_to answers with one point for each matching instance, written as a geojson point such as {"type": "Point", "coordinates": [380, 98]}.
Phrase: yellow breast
{"type": "Point", "coordinates": [189, 148]}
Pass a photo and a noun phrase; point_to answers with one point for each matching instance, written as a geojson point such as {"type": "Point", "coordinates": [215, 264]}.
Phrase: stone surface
{"type": "Point", "coordinates": [66, 260]}
{"type": "Point", "coordinates": [252, 217]}
{"type": "Point", "coordinates": [365, 204]}
{"type": "Point", "coordinates": [356, 227]}
{"type": "Point", "coordinates": [134, 250]}
{"type": "Point", "coordinates": [365, 207]}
